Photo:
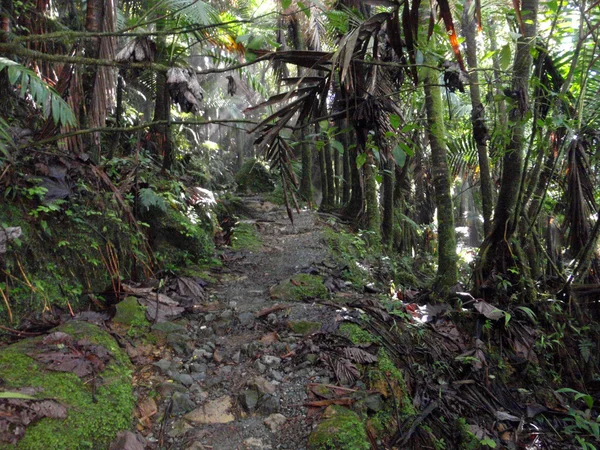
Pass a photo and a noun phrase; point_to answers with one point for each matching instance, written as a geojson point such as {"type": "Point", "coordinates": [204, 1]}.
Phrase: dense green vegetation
{"type": "Point", "coordinates": [457, 140]}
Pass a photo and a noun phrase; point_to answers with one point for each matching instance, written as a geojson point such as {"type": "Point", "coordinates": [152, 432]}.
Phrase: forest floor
{"type": "Point", "coordinates": [238, 382]}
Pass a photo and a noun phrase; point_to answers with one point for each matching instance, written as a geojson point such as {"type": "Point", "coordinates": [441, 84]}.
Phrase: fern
{"type": "Point", "coordinates": [6, 141]}
{"type": "Point", "coordinates": [149, 199]}
{"type": "Point", "coordinates": [43, 95]}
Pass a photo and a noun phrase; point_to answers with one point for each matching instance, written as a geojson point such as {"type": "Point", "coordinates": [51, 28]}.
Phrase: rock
{"type": "Point", "coordinates": [218, 356]}
{"type": "Point", "coordinates": [236, 357]}
{"type": "Point", "coordinates": [216, 411]}
{"type": "Point", "coordinates": [268, 404]}
{"type": "Point", "coordinates": [270, 360]}
{"type": "Point", "coordinates": [164, 365]}
{"type": "Point", "coordinates": [200, 376]}
{"type": "Point", "coordinates": [246, 319]}
{"type": "Point", "coordinates": [225, 371]}
{"type": "Point", "coordinates": [311, 358]}
{"type": "Point", "coordinates": [300, 287]}
{"type": "Point", "coordinates": [198, 367]}
{"type": "Point", "coordinates": [180, 427]}
{"type": "Point", "coordinates": [182, 403]}
{"type": "Point", "coordinates": [340, 428]}
{"type": "Point", "coordinates": [248, 399]}
{"type": "Point", "coordinates": [272, 318]}
{"type": "Point", "coordinates": [263, 386]}
{"type": "Point", "coordinates": [126, 440]}
{"type": "Point", "coordinates": [374, 403]}
{"type": "Point", "coordinates": [227, 314]}
{"type": "Point", "coordinates": [200, 353]}
{"type": "Point", "coordinates": [167, 328]}
{"type": "Point", "coordinates": [209, 317]}
{"type": "Point", "coordinates": [260, 366]}
{"type": "Point", "coordinates": [256, 444]}
{"type": "Point", "coordinates": [130, 312]}
{"type": "Point", "coordinates": [210, 346]}
{"type": "Point", "coordinates": [186, 379]}
{"type": "Point", "coordinates": [275, 421]}
{"type": "Point", "coordinates": [276, 375]}
{"type": "Point", "coordinates": [179, 342]}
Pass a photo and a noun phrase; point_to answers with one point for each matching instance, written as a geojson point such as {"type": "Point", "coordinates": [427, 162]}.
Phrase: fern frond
{"type": "Point", "coordinates": [44, 96]}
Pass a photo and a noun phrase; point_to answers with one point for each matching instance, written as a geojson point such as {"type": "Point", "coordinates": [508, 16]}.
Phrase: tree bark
{"type": "Point", "coordinates": [373, 220]}
{"type": "Point", "coordinates": [306, 187]}
{"type": "Point", "coordinates": [480, 131]}
{"type": "Point", "coordinates": [387, 226]}
{"type": "Point", "coordinates": [447, 274]}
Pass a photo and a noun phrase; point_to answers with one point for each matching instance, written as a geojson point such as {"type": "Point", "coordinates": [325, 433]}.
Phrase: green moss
{"type": "Point", "coordinates": [393, 377]}
{"type": "Point", "coordinates": [300, 287]}
{"type": "Point", "coordinates": [304, 327]}
{"type": "Point", "coordinates": [356, 334]}
{"type": "Point", "coordinates": [340, 429]}
{"type": "Point", "coordinates": [92, 421]}
{"type": "Point", "coordinates": [246, 237]}
{"type": "Point", "coordinates": [254, 176]}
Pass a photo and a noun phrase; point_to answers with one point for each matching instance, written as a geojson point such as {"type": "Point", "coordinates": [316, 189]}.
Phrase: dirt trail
{"type": "Point", "coordinates": [242, 389]}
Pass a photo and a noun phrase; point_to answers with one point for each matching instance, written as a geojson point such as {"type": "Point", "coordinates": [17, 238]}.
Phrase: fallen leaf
{"type": "Point", "coordinates": [269, 338]}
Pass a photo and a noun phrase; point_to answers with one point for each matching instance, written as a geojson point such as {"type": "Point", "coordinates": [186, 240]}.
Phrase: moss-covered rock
{"type": "Point", "coordinates": [245, 237]}
{"type": "Point", "coordinates": [130, 312]}
{"type": "Point", "coordinates": [254, 176]}
{"type": "Point", "coordinates": [300, 287]}
{"type": "Point", "coordinates": [96, 410]}
{"type": "Point", "coordinates": [340, 429]}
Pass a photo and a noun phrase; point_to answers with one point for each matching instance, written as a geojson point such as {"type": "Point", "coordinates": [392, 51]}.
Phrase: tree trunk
{"type": "Point", "coordinates": [387, 226]}
{"type": "Point", "coordinates": [373, 220]}
{"type": "Point", "coordinates": [447, 274]}
{"type": "Point", "coordinates": [306, 187]}
{"type": "Point", "coordinates": [494, 251]}
{"type": "Point", "coordinates": [480, 131]}
{"type": "Point", "coordinates": [329, 174]}
{"type": "Point", "coordinates": [347, 174]}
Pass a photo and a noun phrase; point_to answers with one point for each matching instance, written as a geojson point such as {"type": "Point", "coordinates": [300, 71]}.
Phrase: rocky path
{"type": "Point", "coordinates": [236, 383]}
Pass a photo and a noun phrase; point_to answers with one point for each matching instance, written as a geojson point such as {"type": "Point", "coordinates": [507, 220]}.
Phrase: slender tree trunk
{"type": "Point", "coordinates": [329, 174]}
{"type": "Point", "coordinates": [493, 249]}
{"type": "Point", "coordinates": [347, 181]}
{"type": "Point", "coordinates": [480, 131]}
{"type": "Point", "coordinates": [306, 186]}
{"type": "Point", "coordinates": [387, 226]}
{"type": "Point", "coordinates": [447, 275]}
{"type": "Point", "coordinates": [336, 176]}
{"type": "Point", "coordinates": [373, 220]}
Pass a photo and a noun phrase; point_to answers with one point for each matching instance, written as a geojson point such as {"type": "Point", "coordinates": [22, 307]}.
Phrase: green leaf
{"type": "Point", "coordinates": [285, 4]}
{"type": "Point", "coordinates": [319, 145]}
{"type": "Point", "coordinates": [361, 159]}
{"type": "Point", "coordinates": [378, 178]}
{"type": "Point", "coordinates": [6, 394]}
{"type": "Point", "coordinates": [394, 121]}
{"type": "Point", "coordinates": [337, 145]}
{"type": "Point", "coordinates": [505, 57]}
{"type": "Point", "coordinates": [409, 151]}
{"type": "Point", "coordinates": [409, 127]}
{"type": "Point", "coordinates": [399, 155]}
{"type": "Point", "coordinates": [304, 9]}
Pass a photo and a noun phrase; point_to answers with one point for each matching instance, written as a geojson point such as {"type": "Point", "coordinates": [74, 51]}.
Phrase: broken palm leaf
{"type": "Point", "coordinates": [345, 370]}
{"type": "Point", "coordinates": [281, 98]}
{"type": "Point", "coordinates": [359, 355]}
{"type": "Point", "coordinates": [449, 23]}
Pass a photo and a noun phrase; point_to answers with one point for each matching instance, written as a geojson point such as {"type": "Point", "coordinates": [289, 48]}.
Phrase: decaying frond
{"type": "Point", "coordinates": [185, 89]}
{"type": "Point", "coordinates": [141, 49]}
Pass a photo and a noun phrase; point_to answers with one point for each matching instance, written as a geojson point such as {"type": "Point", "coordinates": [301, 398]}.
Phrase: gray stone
{"type": "Point", "coordinates": [246, 319]}
{"type": "Point", "coordinates": [263, 386]}
{"type": "Point", "coordinates": [179, 428]}
{"type": "Point", "coordinates": [275, 421]}
{"type": "Point", "coordinates": [224, 371]}
{"type": "Point", "coordinates": [210, 346]}
{"type": "Point", "coordinates": [270, 360]}
{"type": "Point", "coordinates": [168, 328]}
{"type": "Point", "coordinates": [374, 403]}
{"type": "Point", "coordinates": [268, 405]}
{"type": "Point", "coordinates": [199, 376]}
{"type": "Point", "coordinates": [179, 342]}
{"type": "Point", "coordinates": [213, 381]}
{"type": "Point", "coordinates": [164, 365]}
{"type": "Point", "coordinates": [182, 403]}
{"type": "Point", "coordinates": [260, 366]}
{"type": "Point", "coordinates": [272, 318]}
{"type": "Point", "coordinates": [209, 317]}
{"type": "Point", "coordinates": [198, 367]}
{"type": "Point", "coordinates": [276, 375]}
{"type": "Point", "coordinates": [201, 353]}
{"type": "Point", "coordinates": [248, 399]}
{"type": "Point", "coordinates": [186, 379]}
{"type": "Point", "coordinates": [236, 357]}
{"type": "Point", "coordinates": [227, 314]}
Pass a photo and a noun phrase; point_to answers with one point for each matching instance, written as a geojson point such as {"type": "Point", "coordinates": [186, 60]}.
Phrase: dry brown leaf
{"type": "Point", "coordinates": [270, 338]}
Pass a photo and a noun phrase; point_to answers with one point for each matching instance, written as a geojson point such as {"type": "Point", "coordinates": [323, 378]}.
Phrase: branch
{"type": "Point", "coordinates": [133, 128]}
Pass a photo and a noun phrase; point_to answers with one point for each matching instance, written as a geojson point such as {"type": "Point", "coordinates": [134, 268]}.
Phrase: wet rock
{"type": "Point", "coordinates": [340, 428]}
{"type": "Point", "coordinates": [216, 411]}
{"type": "Point", "coordinates": [270, 360]}
{"type": "Point", "coordinates": [217, 356]}
{"type": "Point", "coordinates": [263, 386]}
{"type": "Point", "coordinates": [374, 403]}
{"type": "Point", "coordinates": [186, 379]}
{"type": "Point", "coordinates": [246, 319]}
{"type": "Point", "coordinates": [268, 405]}
{"type": "Point", "coordinates": [126, 440]}
{"type": "Point", "coordinates": [275, 422]}
{"type": "Point", "coordinates": [164, 365]}
{"type": "Point", "coordinates": [248, 399]}
{"type": "Point", "coordinates": [167, 328]}
{"type": "Point", "coordinates": [179, 342]}
{"type": "Point", "coordinates": [182, 403]}
{"type": "Point", "coordinates": [180, 427]}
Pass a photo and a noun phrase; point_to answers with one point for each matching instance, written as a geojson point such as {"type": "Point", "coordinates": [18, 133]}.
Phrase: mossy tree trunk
{"type": "Point", "coordinates": [494, 251]}
{"type": "Point", "coordinates": [447, 274]}
{"type": "Point", "coordinates": [330, 202]}
{"type": "Point", "coordinates": [306, 184]}
{"type": "Point", "coordinates": [347, 175]}
{"type": "Point", "coordinates": [387, 226]}
{"type": "Point", "coordinates": [480, 131]}
{"type": "Point", "coordinates": [373, 219]}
